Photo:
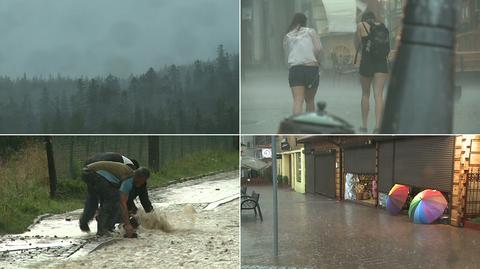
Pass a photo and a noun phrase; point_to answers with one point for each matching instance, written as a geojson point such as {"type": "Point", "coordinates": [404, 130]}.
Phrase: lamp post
{"type": "Point", "coordinates": [275, 200]}
{"type": "Point", "coordinates": [420, 94]}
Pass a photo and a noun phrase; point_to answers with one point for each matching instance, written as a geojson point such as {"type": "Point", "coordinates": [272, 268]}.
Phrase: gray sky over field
{"type": "Point", "coordinates": [91, 37]}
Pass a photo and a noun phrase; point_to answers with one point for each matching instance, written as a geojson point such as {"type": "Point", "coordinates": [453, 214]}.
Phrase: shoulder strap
{"type": "Point", "coordinates": [365, 27]}
{"type": "Point", "coordinates": [356, 53]}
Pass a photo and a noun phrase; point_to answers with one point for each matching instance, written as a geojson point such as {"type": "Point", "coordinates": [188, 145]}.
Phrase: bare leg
{"type": "Point", "coordinates": [298, 93]}
{"type": "Point", "coordinates": [310, 99]}
{"type": "Point", "coordinates": [378, 84]}
{"type": "Point", "coordinates": [366, 84]}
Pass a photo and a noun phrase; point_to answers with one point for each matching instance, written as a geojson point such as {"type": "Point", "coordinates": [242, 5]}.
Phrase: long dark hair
{"type": "Point", "coordinates": [299, 19]}
{"type": "Point", "coordinates": [369, 16]}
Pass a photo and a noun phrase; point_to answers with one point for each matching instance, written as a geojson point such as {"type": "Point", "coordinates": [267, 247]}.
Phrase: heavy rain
{"type": "Point", "coordinates": [119, 67]}
{"type": "Point", "coordinates": [415, 80]}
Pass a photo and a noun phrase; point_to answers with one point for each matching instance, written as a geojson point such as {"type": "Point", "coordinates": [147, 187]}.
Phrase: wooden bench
{"type": "Point", "coordinates": [251, 203]}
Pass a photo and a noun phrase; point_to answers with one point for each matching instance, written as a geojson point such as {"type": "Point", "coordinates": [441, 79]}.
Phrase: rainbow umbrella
{"type": "Point", "coordinates": [427, 206]}
{"type": "Point", "coordinates": [396, 198]}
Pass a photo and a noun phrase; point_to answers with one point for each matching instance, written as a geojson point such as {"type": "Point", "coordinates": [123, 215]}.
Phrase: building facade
{"type": "Point", "coordinates": [364, 169]}
{"type": "Point", "coordinates": [265, 22]}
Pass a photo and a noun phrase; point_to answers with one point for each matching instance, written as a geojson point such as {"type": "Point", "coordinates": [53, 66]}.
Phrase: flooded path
{"type": "Point", "coordinates": [205, 236]}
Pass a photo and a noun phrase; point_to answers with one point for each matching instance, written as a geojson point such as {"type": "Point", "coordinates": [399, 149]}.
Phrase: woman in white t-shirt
{"type": "Point", "coordinates": [302, 48]}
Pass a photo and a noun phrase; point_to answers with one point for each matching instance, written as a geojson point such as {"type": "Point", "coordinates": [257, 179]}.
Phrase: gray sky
{"type": "Point", "coordinates": [95, 37]}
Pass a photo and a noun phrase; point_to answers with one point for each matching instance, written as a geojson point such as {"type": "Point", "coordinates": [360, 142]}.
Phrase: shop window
{"type": "Point", "coordinates": [361, 188]}
{"type": "Point", "coordinates": [466, 23]}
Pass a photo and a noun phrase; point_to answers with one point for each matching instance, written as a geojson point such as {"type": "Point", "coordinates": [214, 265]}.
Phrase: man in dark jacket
{"type": "Point", "coordinates": [92, 200]}
{"type": "Point", "coordinates": [112, 182]}
{"type": "Point", "coordinates": [142, 193]}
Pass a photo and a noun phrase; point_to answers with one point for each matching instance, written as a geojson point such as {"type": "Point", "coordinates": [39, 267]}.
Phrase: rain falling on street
{"type": "Point", "coordinates": [267, 100]}
{"type": "Point", "coordinates": [318, 232]}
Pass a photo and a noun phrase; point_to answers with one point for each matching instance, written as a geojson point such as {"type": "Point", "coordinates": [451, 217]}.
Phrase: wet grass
{"type": "Point", "coordinates": [24, 189]}
{"type": "Point", "coordinates": [195, 165]}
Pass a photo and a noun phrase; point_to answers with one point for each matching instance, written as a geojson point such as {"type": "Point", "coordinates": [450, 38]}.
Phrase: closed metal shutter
{"type": "Point", "coordinates": [360, 160]}
{"type": "Point", "coordinates": [309, 173]}
{"type": "Point", "coordinates": [325, 174]}
{"type": "Point", "coordinates": [385, 166]}
{"type": "Point", "coordinates": [425, 162]}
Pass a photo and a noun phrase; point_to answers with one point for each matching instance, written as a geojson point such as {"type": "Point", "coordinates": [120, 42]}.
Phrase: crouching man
{"type": "Point", "coordinates": [112, 182]}
{"type": "Point", "coordinates": [91, 201]}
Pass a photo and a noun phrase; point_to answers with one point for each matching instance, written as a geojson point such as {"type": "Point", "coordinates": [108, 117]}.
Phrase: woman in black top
{"type": "Point", "coordinates": [371, 70]}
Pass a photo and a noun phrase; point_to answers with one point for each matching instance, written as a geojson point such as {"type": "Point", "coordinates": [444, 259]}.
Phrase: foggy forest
{"type": "Point", "coordinates": [201, 97]}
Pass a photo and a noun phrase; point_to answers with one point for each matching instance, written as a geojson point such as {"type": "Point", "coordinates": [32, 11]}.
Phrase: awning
{"type": "Point", "coordinates": [341, 15]}
{"type": "Point", "coordinates": [254, 164]}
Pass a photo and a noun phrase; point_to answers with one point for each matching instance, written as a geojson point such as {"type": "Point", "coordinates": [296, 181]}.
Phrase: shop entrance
{"type": "Point", "coordinates": [360, 178]}
{"type": "Point", "coordinates": [425, 162]}
{"type": "Point", "coordinates": [361, 188]}
{"type": "Point", "coordinates": [325, 174]}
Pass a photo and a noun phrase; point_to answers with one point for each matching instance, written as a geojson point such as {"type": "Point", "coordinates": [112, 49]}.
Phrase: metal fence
{"type": "Point", "coordinates": [472, 194]}
{"type": "Point", "coordinates": [71, 151]}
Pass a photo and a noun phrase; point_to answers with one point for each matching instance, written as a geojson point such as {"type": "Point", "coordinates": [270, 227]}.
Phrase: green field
{"type": "Point", "coordinates": [24, 189]}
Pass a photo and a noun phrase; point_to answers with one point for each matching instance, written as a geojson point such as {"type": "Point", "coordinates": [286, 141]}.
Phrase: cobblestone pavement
{"type": "Point", "coordinates": [56, 238]}
{"type": "Point", "coordinates": [317, 232]}
{"type": "Point", "coordinates": [267, 100]}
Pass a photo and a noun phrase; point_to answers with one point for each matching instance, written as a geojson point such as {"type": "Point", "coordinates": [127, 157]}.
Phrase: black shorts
{"type": "Point", "coordinates": [302, 75]}
{"type": "Point", "coordinates": [369, 67]}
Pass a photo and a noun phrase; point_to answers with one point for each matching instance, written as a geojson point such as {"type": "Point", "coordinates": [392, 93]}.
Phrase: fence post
{"type": "Point", "coordinates": [51, 167]}
{"type": "Point", "coordinates": [71, 162]}
{"type": "Point", "coordinates": [153, 152]}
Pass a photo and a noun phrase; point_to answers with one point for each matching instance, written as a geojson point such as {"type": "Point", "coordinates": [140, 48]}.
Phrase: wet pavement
{"type": "Point", "coordinates": [267, 100]}
{"type": "Point", "coordinates": [57, 238]}
{"type": "Point", "coordinates": [317, 232]}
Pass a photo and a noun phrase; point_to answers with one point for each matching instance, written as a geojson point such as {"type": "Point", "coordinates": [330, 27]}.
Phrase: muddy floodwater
{"type": "Point", "coordinates": [195, 224]}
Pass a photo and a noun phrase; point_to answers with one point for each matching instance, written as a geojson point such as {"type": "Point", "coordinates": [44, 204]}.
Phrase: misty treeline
{"type": "Point", "coordinates": [198, 98]}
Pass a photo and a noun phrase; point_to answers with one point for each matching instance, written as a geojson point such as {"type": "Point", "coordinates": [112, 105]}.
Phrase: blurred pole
{"type": "Point", "coordinates": [275, 201]}
{"type": "Point", "coordinates": [52, 174]}
{"type": "Point", "coordinates": [420, 94]}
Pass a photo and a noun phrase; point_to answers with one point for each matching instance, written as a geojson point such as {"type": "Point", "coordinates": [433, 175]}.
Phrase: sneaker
{"type": "Point", "coordinates": [84, 227]}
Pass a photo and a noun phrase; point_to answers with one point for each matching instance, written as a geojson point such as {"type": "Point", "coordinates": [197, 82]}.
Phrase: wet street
{"type": "Point", "coordinates": [317, 232]}
{"type": "Point", "coordinates": [267, 99]}
{"type": "Point", "coordinates": [202, 216]}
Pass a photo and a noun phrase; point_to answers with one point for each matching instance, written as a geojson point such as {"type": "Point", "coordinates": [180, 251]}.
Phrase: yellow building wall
{"type": "Point", "coordinates": [285, 165]}
{"type": "Point", "coordinates": [300, 186]}
{"type": "Point", "coordinates": [290, 167]}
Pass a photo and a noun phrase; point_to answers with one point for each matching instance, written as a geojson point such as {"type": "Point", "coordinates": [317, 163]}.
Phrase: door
{"type": "Point", "coordinates": [360, 159]}
{"type": "Point", "coordinates": [385, 166]}
{"type": "Point", "coordinates": [325, 174]}
{"type": "Point", "coordinates": [425, 162]}
{"type": "Point", "coordinates": [309, 173]}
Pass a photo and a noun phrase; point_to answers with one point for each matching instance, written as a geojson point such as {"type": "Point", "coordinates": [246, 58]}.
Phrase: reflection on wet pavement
{"type": "Point", "coordinates": [317, 232]}
{"type": "Point", "coordinates": [58, 236]}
